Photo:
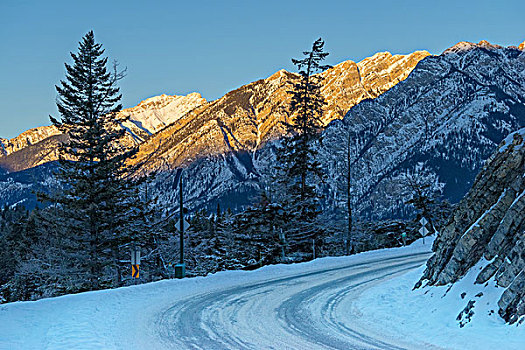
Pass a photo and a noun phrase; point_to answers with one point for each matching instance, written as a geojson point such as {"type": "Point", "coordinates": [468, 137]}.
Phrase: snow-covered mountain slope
{"type": "Point", "coordinates": [486, 234]}
{"type": "Point", "coordinates": [232, 128]}
{"type": "Point", "coordinates": [245, 119]}
{"type": "Point", "coordinates": [442, 122]}
{"type": "Point", "coordinates": [25, 139]}
{"type": "Point", "coordinates": [439, 126]}
{"type": "Point", "coordinates": [155, 113]}
{"type": "Point", "coordinates": [39, 145]}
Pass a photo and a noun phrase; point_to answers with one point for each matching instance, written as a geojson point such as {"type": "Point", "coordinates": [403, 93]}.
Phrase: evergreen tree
{"type": "Point", "coordinates": [257, 231]}
{"type": "Point", "coordinates": [99, 207]}
{"type": "Point", "coordinates": [425, 192]}
{"type": "Point", "coordinates": [297, 158]}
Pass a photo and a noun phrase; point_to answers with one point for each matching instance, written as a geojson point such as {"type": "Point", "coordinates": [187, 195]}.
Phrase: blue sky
{"type": "Point", "coordinates": [176, 47]}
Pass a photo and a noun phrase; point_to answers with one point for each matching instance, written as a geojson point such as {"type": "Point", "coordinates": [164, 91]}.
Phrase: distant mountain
{"type": "Point", "coordinates": [39, 145]}
{"type": "Point", "coordinates": [439, 125]}
{"type": "Point", "coordinates": [247, 118]}
{"type": "Point", "coordinates": [439, 121]}
{"type": "Point", "coordinates": [487, 230]}
{"type": "Point", "coordinates": [25, 139]}
{"type": "Point", "coordinates": [155, 113]}
{"type": "Point", "coordinates": [175, 130]}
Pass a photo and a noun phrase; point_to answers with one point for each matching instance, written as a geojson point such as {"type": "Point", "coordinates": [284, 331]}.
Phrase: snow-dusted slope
{"type": "Point", "coordinates": [39, 145]}
{"type": "Point", "coordinates": [449, 115]}
{"type": "Point", "coordinates": [442, 122]}
{"type": "Point", "coordinates": [174, 130]}
{"type": "Point", "coordinates": [245, 119]}
{"type": "Point", "coordinates": [155, 113]}
{"type": "Point", "coordinates": [25, 139]}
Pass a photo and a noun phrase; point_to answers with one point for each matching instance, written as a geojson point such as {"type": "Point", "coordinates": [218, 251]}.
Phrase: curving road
{"type": "Point", "coordinates": [307, 311]}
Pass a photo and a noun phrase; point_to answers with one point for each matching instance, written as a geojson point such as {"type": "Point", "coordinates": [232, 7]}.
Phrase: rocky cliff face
{"type": "Point", "coordinates": [40, 145]}
{"type": "Point", "coordinates": [441, 123]}
{"type": "Point", "coordinates": [247, 118]}
{"type": "Point", "coordinates": [25, 139]}
{"type": "Point", "coordinates": [489, 227]}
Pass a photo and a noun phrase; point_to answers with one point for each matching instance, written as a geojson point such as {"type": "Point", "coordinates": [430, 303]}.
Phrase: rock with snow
{"type": "Point", "coordinates": [25, 139]}
{"type": "Point", "coordinates": [40, 145]}
{"type": "Point", "coordinates": [489, 224]}
{"type": "Point", "coordinates": [443, 121]}
{"type": "Point", "coordinates": [244, 120]}
{"type": "Point", "coordinates": [155, 113]}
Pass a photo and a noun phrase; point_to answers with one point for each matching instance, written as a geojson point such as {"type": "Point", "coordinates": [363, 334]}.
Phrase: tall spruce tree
{"type": "Point", "coordinates": [98, 202]}
{"type": "Point", "coordinates": [298, 167]}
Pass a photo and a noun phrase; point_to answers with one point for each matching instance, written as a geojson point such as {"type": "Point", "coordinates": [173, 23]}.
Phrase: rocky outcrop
{"type": "Point", "coordinates": [25, 139]}
{"type": "Point", "coordinates": [40, 145]}
{"type": "Point", "coordinates": [155, 113]}
{"type": "Point", "coordinates": [489, 224]}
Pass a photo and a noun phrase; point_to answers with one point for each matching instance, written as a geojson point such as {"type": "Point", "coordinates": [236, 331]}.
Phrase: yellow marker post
{"type": "Point", "coordinates": [135, 262]}
{"type": "Point", "coordinates": [135, 271]}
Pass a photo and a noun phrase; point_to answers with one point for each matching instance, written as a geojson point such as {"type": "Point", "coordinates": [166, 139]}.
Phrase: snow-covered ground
{"type": "Point", "coordinates": [326, 303]}
{"type": "Point", "coordinates": [430, 313]}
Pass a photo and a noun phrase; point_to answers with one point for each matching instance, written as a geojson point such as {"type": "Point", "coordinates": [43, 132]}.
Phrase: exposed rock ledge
{"type": "Point", "coordinates": [489, 222]}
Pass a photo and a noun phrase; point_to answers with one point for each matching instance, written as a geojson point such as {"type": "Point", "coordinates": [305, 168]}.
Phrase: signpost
{"type": "Point", "coordinates": [180, 268]}
{"type": "Point", "coordinates": [282, 238]}
{"type": "Point", "coordinates": [423, 230]}
{"type": "Point", "coordinates": [186, 225]}
{"type": "Point", "coordinates": [135, 261]}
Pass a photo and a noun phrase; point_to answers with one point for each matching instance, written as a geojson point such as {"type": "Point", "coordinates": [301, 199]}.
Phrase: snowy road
{"type": "Point", "coordinates": [304, 311]}
{"type": "Point", "coordinates": [363, 301]}
{"type": "Point", "coordinates": [313, 305]}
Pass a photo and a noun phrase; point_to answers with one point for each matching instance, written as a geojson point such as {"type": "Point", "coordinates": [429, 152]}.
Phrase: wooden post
{"type": "Point", "coordinates": [181, 228]}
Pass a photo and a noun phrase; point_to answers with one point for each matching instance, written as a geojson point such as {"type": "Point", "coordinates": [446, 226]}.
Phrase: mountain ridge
{"type": "Point", "coordinates": [348, 83]}
{"type": "Point", "coordinates": [248, 117]}
{"type": "Point", "coordinates": [439, 125]}
{"type": "Point", "coordinates": [226, 144]}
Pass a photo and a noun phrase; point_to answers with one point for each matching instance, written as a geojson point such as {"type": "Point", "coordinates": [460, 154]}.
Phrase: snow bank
{"type": "Point", "coordinates": [430, 314]}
